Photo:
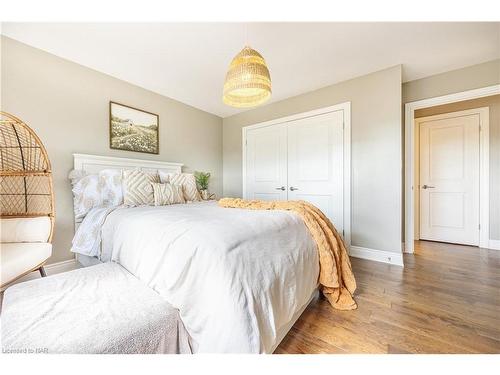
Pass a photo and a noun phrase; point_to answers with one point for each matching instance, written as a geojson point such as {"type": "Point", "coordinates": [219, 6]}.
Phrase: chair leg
{"type": "Point", "coordinates": [42, 271]}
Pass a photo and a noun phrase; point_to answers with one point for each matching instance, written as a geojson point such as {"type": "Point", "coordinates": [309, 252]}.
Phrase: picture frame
{"type": "Point", "coordinates": [133, 129]}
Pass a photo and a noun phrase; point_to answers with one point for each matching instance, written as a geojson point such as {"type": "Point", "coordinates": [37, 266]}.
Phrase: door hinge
{"type": "Point", "coordinates": [479, 227]}
{"type": "Point", "coordinates": [343, 233]}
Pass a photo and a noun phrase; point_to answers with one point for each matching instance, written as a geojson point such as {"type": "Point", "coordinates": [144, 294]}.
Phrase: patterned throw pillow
{"type": "Point", "coordinates": [167, 194]}
{"type": "Point", "coordinates": [87, 195]}
{"type": "Point", "coordinates": [102, 189]}
{"type": "Point", "coordinates": [111, 182]}
{"type": "Point", "coordinates": [186, 180]}
{"type": "Point", "coordinates": [137, 189]}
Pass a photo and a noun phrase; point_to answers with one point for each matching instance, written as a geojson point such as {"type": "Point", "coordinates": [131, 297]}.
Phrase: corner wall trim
{"type": "Point", "coordinates": [377, 255]}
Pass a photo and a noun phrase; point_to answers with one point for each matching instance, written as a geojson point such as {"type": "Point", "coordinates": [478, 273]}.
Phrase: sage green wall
{"type": "Point", "coordinates": [472, 77]}
{"type": "Point", "coordinates": [376, 151]}
{"type": "Point", "coordinates": [67, 106]}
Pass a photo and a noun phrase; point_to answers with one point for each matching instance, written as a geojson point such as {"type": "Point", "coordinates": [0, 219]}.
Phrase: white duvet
{"type": "Point", "coordinates": [237, 276]}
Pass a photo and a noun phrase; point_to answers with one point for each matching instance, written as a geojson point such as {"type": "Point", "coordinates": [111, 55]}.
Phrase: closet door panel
{"type": "Point", "coordinates": [315, 163]}
{"type": "Point", "coordinates": [266, 163]}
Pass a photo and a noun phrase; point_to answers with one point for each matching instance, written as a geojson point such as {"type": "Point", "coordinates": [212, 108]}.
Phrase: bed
{"type": "Point", "coordinates": [239, 278]}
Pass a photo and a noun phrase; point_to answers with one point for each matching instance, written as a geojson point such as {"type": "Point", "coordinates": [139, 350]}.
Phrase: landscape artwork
{"type": "Point", "coordinates": [132, 129]}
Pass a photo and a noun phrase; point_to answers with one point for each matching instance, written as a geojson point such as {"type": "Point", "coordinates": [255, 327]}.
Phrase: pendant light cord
{"type": "Point", "coordinates": [246, 34]}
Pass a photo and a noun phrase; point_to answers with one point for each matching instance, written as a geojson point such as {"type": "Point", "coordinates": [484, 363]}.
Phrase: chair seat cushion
{"type": "Point", "coordinates": [25, 229]}
{"type": "Point", "coordinates": [97, 309]}
{"type": "Point", "coordinates": [19, 258]}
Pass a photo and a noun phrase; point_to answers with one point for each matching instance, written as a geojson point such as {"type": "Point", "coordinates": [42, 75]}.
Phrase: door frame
{"type": "Point", "coordinates": [410, 109]}
{"type": "Point", "coordinates": [346, 107]}
{"type": "Point", "coordinates": [484, 114]}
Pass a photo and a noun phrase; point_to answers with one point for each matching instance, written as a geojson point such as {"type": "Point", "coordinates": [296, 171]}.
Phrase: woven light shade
{"type": "Point", "coordinates": [248, 82]}
{"type": "Point", "coordinates": [25, 176]}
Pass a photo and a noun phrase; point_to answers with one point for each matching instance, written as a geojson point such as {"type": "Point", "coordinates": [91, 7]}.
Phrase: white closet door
{"type": "Point", "coordinates": [315, 163]}
{"type": "Point", "coordinates": [449, 180]}
{"type": "Point", "coordinates": [266, 163]}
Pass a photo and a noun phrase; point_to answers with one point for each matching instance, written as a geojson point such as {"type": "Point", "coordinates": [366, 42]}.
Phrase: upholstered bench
{"type": "Point", "coordinates": [98, 309]}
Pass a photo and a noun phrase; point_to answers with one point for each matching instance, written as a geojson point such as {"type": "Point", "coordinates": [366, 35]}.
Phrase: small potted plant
{"type": "Point", "coordinates": [202, 181]}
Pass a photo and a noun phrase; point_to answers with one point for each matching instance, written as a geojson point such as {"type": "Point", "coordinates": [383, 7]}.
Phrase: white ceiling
{"type": "Point", "coordinates": [188, 61]}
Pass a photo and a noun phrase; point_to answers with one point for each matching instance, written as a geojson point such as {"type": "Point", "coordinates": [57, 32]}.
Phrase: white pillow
{"type": "Point", "coordinates": [167, 194]}
{"type": "Point", "coordinates": [186, 180]}
{"type": "Point", "coordinates": [164, 177]}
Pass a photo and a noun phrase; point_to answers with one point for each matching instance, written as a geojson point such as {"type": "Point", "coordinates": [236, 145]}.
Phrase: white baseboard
{"type": "Point", "coordinates": [50, 269]}
{"type": "Point", "coordinates": [377, 255]}
{"type": "Point", "coordinates": [494, 245]}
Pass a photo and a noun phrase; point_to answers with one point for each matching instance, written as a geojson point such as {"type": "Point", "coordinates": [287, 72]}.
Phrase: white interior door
{"type": "Point", "coordinates": [315, 163]}
{"type": "Point", "coordinates": [449, 179]}
{"type": "Point", "coordinates": [266, 163]}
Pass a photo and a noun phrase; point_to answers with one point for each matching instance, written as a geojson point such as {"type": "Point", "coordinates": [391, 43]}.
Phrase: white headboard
{"type": "Point", "coordinates": [96, 163]}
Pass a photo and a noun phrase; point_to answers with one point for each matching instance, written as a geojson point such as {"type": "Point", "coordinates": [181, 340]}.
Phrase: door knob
{"type": "Point", "coordinates": [281, 188]}
{"type": "Point", "coordinates": [293, 188]}
{"type": "Point", "coordinates": [428, 187]}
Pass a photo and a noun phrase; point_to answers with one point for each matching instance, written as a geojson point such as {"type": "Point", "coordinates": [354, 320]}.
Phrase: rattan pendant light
{"type": "Point", "coordinates": [248, 82]}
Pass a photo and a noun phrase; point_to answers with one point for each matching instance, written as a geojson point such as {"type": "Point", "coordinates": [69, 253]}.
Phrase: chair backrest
{"type": "Point", "coordinates": [26, 187]}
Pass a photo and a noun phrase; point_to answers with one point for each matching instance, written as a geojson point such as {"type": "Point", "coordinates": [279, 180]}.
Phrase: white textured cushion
{"type": "Point", "coordinates": [19, 258]}
{"type": "Point", "coordinates": [36, 229]}
{"type": "Point", "coordinates": [167, 194]}
{"type": "Point", "coordinates": [137, 189]}
{"type": "Point", "coordinates": [186, 180]}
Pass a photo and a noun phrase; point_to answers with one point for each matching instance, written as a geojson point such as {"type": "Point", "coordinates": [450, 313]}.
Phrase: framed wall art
{"type": "Point", "coordinates": [133, 129]}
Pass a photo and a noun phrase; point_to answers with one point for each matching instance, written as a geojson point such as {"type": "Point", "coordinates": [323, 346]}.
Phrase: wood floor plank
{"type": "Point", "coordinates": [445, 300]}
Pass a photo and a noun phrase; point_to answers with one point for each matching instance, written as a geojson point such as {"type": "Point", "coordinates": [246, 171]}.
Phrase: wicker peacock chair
{"type": "Point", "coordinates": [26, 189]}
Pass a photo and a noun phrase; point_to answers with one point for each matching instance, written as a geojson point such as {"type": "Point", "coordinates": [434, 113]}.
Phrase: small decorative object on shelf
{"type": "Point", "coordinates": [202, 181]}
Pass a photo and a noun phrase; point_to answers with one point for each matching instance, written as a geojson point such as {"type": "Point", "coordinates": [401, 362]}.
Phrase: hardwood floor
{"type": "Point", "coordinates": [445, 300]}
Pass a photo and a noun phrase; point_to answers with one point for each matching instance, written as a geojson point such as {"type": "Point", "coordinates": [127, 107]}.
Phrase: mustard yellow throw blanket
{"type": "Point", "coordinates": [335, 275]}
